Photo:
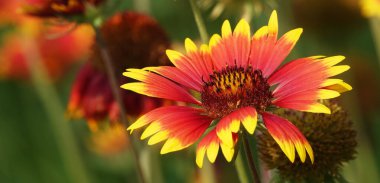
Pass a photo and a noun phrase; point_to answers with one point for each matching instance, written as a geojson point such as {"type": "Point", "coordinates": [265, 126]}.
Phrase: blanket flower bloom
{"type": "Point", "coordinates": [230, 83]}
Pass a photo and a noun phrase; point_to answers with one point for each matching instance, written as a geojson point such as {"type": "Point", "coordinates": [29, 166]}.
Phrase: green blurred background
{"type": "Point", "coordinates": [31, 151]}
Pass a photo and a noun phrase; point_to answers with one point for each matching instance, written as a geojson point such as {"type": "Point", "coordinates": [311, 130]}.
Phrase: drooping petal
{"type": "Point", "coordinates": [231, 124]}
{"type": "Point", "coordinates": [210, 145]}
{"type": "Point", "coordinates": [288, 137]}
{"type": "Point", "coordinates": [180, 126]}
{"type": "Point", "coordinates": [154, 85]}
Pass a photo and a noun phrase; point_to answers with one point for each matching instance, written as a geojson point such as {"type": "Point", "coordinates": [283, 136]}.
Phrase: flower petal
{"type": "Point", "coordinates": [231, 124]}
{"type": "Point", "coordinates": [200, 58]}
{"type": "Point", "coordinates": [300, 83]}
{"type": "Point", "coordinates": [339, 87]}
{"type": "Point", "coordinates": [180, 126]}
{"type": "Point", "coordinates": [162, 113]}
{"type": "Point", "coordinates": [210, 145]}
{"type": "Point", "coordinates": [154, 85]}
{"type": "Point", "coordinates": [288, 137]}
{"type": "Point", "coordinates": [231, 48]}
{"type": "Point", "coordinates": [304, 105]}
{"type": "Point", "coordinates": [195, 64]}
{"type": "Point", "coordinates": [267, 52]}
{"type": "Point", "coordinates": [176, 75]}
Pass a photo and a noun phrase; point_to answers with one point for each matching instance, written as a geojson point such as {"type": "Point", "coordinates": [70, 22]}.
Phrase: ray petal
{"type": "Point", "coordinates": [289, 138]}
{"type": "Point", "coordinates": [154, 85]}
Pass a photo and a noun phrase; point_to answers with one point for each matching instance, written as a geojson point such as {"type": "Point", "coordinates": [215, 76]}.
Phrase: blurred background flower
{"type": "Point", "coordinates": [57, 53]}
{"type": "Point", "coordinates": [132, 40]}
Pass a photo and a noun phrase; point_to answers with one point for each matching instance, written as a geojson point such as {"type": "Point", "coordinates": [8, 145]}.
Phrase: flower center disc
{"type": "Point", "coordinates": [233, 88]}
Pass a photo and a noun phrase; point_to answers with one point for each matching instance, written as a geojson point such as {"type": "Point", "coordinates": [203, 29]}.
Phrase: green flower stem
{"type": "Point", "coordinates": [117, 95]}
{"type": "Point", "coordinates": [249, 157]}
{"type": "Point", "coordinates": [375, 26]}
{"type": "Point", "coordinates": [240, 169]}
{"type": "Point", "coordinates": [199, 21]}
{"type": "Point", "coordinates": [64, 136]}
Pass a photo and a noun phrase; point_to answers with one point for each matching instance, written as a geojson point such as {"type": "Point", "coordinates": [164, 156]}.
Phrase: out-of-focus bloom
{"type": "Point", "coordinates": [58, 8]}
{"type": "Point", "coordinates": [132, 39]}
{"type": "Point", "coordinates": [333, 140]}
{"type": "Point", "coordinates": [92, 98]}
{"type": "Point", "coordinates": [109, 141]}
{"type": "Point", "coordinates": [8, 11]}
{"type": "Point", "coordinates": [237, 79]}
{"type": "Point", "coordinates": [370, 8]}
{"type": "Point", "coordinates": [56, 54]}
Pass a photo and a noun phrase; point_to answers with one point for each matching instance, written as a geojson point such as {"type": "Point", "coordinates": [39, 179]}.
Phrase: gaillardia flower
{"type": "Point", "coordinates": [235, 80]}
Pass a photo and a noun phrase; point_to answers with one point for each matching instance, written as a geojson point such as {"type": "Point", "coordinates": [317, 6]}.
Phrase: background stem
{"type": "Point", "coordinates": [64, 136]}
{"type": "Point", "coordinates": [375, 26]}
{"type": "Point", "coordinates": [117, 95]}
{"type": "Point", "coordinates": [199, 21]}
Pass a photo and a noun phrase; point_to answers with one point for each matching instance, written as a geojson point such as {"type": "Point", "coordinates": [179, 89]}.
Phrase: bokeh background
{"type": "Point", "coordinates": [34, 144]}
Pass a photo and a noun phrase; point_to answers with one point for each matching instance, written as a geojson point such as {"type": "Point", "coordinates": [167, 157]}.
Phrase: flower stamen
{"type": "Point", "coordinates": [235, 87]}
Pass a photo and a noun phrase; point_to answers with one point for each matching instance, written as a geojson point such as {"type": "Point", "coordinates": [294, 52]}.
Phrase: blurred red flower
{"type": "Point", "coordinates": [132, 40]}
{"type": "Point", "coordinates": [57, 54]}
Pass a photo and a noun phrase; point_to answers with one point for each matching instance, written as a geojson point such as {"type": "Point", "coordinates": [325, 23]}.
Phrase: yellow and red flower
{"type": "Point", "coordinates": [232, 82]}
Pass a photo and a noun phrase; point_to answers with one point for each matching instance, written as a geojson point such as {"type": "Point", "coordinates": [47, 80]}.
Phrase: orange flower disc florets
{"type": "Point", "coordinates": [233, 88]}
